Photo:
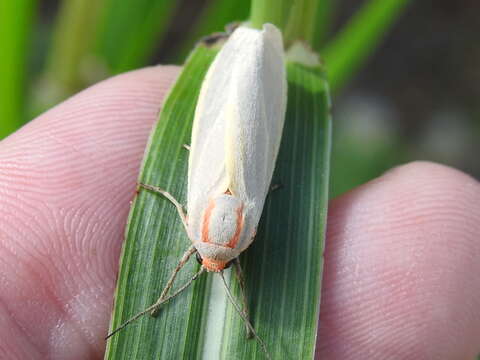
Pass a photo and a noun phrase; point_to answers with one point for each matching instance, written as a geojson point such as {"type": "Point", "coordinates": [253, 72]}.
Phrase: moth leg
{"type": "Point", "coordinates": [169, 196]}
{"type": "Point", "coordinates": [242, 315]}
{"type": "Point", "coordinates": [191, 250]}
{"type": "Point", "coordinates": [154, 308]}
{"type": "Point", "coordinates": [241, 280]}
{"type": "Point", "coordinates": [186, 147]}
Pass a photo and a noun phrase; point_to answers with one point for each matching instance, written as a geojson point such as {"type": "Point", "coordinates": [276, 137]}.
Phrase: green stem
{"type": "Point", "coordinates": [271, 11]}
{"type": "Point", "coordinates": [16, 18]}
{"type": "Point", "coordinates": [296, 19]}
{"type": "Point", "coordinates": [301, 22]}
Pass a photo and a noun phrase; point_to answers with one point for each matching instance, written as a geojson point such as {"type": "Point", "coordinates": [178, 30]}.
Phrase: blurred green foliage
{"type": "Point", "coordinates": [129, 32]}
{"type": "Point", "coordinates": [16, 19]}
{"type": "Point", "coordinates": [348, 50]}
{"type": "Point", "coordinates": [91, 40]}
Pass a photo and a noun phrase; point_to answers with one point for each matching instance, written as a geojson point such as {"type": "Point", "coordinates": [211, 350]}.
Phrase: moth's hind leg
{"type": "Point", "coordinates": [153, 309]}
{"type": "Point", "coordinates": [241, 281]}
{"type": "Point", "coordinates": [163, 296]}
{"type": "Point", "coordinates": [170, 197]}
{"type": "Point", "coordinates": [186, 147]}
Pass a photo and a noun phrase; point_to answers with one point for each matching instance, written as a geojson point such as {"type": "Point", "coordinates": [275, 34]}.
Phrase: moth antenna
{"type": "Point", "coordinates": [241, 280]}
{"type": "Point", "coordinates": [243, 316]}
{"type": "Point", "coordinates": [157, 304]}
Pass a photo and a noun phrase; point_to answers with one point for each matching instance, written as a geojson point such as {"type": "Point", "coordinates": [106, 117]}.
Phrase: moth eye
{"type": "Point", "coordinates": [229, 264]}
{"type": "Point", "coordinates": [199, 258]}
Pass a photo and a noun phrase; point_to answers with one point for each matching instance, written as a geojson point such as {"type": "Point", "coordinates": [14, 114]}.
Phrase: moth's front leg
{"type": "Point", "coordinates": [170, 197]}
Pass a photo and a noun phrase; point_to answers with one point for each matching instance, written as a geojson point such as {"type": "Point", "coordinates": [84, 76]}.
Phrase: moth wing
{"type": "Point", "coordinates": [256, 115]}
{"type": "Point", "coordinates": [238, 124]}
{"type": "Point", "coordinates": [206, 167]}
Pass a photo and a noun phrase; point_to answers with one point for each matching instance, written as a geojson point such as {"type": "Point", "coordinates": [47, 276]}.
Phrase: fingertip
{"type": "Point", "coordinates": [67, 180]}
{"type": "Point", "coordinates": [400, 267]}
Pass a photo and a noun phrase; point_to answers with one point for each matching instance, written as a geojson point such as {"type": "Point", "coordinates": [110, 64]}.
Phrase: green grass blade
{"type": "Point", "coordinates": [15, 30]}
{"type": "Point", "coordinates": [95, 39]}
{"type": "Point", "coordinates": [349, 49]}
{"type": "Point", "coordinates": [130, 31]}
{"type": "Point", "coordinates": [154, 244]}
{"type": "Point", "coordinates": [283, 267]}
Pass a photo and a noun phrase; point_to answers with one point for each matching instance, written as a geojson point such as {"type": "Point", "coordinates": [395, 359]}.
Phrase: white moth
{"type": "Point", "coordinates": [236, 135]}
{"type": "Point", "coordinates": [235, 139]}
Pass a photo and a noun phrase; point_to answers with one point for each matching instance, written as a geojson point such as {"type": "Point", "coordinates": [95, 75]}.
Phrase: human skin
{"type": "Point", "coordinates": [401, 263]}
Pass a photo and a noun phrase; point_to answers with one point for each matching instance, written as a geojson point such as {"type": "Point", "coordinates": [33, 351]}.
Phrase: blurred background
{"type": "Point", "coordinates": [405, 75]}
{"type": "Point", "coordinates": [416, 97]}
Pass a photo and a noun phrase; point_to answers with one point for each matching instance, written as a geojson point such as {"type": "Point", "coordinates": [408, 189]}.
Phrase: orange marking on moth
{"type": "Point", "coordinates": [213, 265]}
{"type": "Point", "coordinates": [234, 240]}
{"type": "Point", "coordinates": [206, 221]}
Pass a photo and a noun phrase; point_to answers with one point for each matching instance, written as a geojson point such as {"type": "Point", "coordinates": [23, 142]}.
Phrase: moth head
{"type": "Point", "coordinates": [213, 265]}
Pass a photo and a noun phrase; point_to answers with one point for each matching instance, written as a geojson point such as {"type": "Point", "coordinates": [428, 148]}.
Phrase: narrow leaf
{"type": "Point", "coordinates": [349, 49]}
{"type": "Point", "coordinates": [95, 39]}
{"type": "Point", "coordinates": [283, 267]}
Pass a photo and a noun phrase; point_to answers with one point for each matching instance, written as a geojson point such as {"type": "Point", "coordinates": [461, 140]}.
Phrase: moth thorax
{"type": "Point", "coordinates": [223, 221]}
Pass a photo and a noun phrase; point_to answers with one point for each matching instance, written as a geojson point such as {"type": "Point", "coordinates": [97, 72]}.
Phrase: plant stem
{"type": "Point", "coordinates": [296, 19]}
{"type": "Point", "coordinates": [301, 22]}
{"type": "Point", "coordinates": [271, 11]}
